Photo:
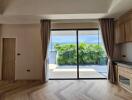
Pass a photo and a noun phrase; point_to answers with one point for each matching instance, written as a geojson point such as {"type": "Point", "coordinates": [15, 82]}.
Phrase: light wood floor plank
{"type": "Point", "coordinates": [63, 90]}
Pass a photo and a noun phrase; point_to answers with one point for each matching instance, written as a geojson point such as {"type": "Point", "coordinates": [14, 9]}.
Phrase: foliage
{"type": "Point", "coordinates": [88, 53]}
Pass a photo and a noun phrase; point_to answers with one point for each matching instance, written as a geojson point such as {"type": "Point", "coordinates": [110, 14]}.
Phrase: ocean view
{"type": "Point", "coordinates": [71, 39]}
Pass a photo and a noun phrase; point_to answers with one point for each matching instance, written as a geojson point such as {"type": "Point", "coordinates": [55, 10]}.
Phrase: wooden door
{"type": "Point", "coordinates": [122, 34]}
{"type": "Point", "coordinates": [119, 33]}
{"type": "Point", "coordinates": [8, 61]}
{"type": "Point", "coordinates": [128, 30]}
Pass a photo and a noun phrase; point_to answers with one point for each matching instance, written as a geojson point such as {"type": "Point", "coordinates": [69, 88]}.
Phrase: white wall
{"type": "Point", "coordinates": [28, 44]}
{"type": "Point", "coordinates": [127, 50]}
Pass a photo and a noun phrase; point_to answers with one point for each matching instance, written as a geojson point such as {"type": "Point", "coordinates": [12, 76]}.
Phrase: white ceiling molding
{"type": "Point", "coordinates": [44, 7]}
{"type": "Point", "coordinates": [31, 11]}
{"type": "Point", "coordinates": [119, 7]}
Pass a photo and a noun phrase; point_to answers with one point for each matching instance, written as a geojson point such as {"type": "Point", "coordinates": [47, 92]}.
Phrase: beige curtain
{"type": "Point", "coordinates": [45, 37]}
{"type": "Point", "coordinates": [107, 30]}
{"type": "Point", "coordinates": [0, 47]}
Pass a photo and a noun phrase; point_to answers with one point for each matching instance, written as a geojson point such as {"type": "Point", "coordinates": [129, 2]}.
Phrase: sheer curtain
{"type": "Point", "coordinates": [45, 37]}
{"type": "Point", "coordinates": [107, 30]}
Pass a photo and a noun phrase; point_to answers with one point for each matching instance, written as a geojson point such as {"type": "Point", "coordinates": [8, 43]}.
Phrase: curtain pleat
{"type": "Point", "coordinates": [107, 30]}
{"type": "Point", "coordinates": [0, 46]}
{"type": "Point", "coordinates": [45, 37]}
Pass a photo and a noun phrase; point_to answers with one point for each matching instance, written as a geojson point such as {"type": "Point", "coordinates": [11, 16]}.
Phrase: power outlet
{"type": "Point", "coordinates": [123, 56]}
{"type": "Point", "coordinates": [28, 70]}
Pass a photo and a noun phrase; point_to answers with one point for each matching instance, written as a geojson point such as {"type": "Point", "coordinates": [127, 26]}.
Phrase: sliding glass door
{"type": "Point", "coordinates": [92, 57]}
{"type": "Point", "coordinates": [63, 54]}
{"type": "Point", "coordinates": [76, 54]}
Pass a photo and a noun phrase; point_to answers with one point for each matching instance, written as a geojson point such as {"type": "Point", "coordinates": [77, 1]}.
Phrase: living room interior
{"type": "Point", "coordinates": [65, 49]}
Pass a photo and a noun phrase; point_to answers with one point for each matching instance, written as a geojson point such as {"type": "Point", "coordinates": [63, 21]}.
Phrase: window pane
{"type": "Point", "coordinates": [92, 57]}
{"type": "Point", "coordinates": [63, 54]}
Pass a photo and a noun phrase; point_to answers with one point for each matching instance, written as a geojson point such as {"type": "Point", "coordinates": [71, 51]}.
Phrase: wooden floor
{"type": "Point", "coordinates": [62, 90]}
{"type": "Point", "coordinates": [70, 71]}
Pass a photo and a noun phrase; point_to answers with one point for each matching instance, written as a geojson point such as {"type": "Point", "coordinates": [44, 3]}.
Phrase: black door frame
{"type": "Point", "coordinates": [77, 42]}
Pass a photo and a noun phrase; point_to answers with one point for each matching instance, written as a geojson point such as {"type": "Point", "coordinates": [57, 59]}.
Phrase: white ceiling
{"type": "Point", "coordinates": [31, 11]}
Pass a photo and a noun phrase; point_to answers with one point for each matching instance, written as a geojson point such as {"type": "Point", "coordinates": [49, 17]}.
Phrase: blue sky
{"type": "Point", "coordinates": [65, 37]}
{"type": "Point", "coordinates": [72, 39]}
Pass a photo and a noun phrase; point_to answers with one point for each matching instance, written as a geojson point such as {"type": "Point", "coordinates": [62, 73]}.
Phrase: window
{"type": "Point", "coordinates": [76, 54]}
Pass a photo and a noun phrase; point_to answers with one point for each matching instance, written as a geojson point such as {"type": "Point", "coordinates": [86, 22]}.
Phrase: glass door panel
{"type": "Point", "coordinates": [62, 54]}
{"type": "Point", "coordinates": [92, 57]}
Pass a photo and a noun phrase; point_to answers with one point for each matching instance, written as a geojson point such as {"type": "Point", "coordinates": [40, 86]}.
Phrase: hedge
{"type": "Point", "coordinates": [88, 53]}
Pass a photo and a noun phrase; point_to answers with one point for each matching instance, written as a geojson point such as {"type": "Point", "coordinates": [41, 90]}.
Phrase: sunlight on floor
{"type": "Point", "coordinates": [69, 71]}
